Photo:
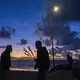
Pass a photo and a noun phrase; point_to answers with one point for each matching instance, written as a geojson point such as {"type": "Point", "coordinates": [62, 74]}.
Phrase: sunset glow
{"type": "Point", "coordinates": [58, 56]}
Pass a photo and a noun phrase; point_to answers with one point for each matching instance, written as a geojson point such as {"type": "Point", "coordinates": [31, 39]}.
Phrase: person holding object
{"type": "Point", "coordinates": [42, 61]}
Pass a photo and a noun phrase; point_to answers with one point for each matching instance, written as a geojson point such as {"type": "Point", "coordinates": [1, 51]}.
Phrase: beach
{"type": "Point", "coordinates": [32, 75]}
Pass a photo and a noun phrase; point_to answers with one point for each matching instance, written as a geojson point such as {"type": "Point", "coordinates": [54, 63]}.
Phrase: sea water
{"type": "Point", "coordinates": [29, 64]}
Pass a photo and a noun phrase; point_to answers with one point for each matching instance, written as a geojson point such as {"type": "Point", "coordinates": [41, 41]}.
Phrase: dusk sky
{"type": "Point", "coordinates": [23, 16]}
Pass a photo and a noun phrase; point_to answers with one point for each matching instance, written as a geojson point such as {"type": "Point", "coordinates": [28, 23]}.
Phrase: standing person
{"type": "Point", "coordinates": [42, 61]}
{"type": "Point", "coordinates": [6, 61]}
{"type": "Point", "coordinates": [70, 60]}
{"type": "Point", "coordinates": [6, 58]}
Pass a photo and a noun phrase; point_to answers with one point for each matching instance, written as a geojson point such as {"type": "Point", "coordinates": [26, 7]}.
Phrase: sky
{"type": "Point", "coordinates": [23, 16]}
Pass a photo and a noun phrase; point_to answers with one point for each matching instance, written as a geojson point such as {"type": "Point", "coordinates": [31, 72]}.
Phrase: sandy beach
{"type": "Point", "coordinates": [20, 75]}
{"type": "Point", "coordinates": [32, 75]}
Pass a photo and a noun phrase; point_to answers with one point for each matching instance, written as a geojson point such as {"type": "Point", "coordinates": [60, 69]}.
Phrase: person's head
{"type": "Point", "coordinates": [38, 44]}
{"type": "Point", "coordinates": [9, 48]}
{"type": "Point", "coordinates": [68, 55]}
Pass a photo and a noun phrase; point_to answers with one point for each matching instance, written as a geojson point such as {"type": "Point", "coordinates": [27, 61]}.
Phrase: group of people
{"type": "Point", "coordinates": [42, 60]}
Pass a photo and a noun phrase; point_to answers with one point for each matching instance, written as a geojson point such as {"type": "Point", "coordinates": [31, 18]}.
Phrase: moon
{"type": "Point", "coordinates": [55, 9]}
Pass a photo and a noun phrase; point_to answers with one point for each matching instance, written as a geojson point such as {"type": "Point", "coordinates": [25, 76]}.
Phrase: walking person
{"type": "Point", "coordinates": [42, 61]}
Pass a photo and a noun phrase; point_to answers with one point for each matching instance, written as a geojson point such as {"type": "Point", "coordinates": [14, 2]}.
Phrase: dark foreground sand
{"type": "Point", "coordinates": [32, 75]}
{"type": "Point", "coordinates": [28, 75]}
{"type": "Point", "coordinates": [20, 75]}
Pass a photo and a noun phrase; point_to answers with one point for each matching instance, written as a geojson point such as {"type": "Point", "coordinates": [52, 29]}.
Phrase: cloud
{"type": "Point", "coordinates": [60, 32]}
{"type": "Point", "coordinates": [23, 42]}
{"type": "Point", "coordinates": [69, 9]}
{"type": "Point", "coordinates": [76, 43]}
{"type": "Point", "coordinates": [6, 32]}
{"type": "Point", "coordinates": [47, 42]}
{"type": "Point", "coordinates": [3, 47]}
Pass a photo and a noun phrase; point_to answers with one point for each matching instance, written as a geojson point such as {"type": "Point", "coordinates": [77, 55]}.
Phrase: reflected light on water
{"type": "Point", "coordinates": [20, 69]}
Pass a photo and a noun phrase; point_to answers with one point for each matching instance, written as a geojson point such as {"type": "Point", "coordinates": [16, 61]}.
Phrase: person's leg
{"type": "Point", "coordinates": [2, 74]}
{"type": "Point", "coordinates": [5, 74]}
{"type": "Point", "coordinates": [38, 74]}
{"type": "Point", "coordinates": [46, 74]}
{"type": "Point", "coordinates": [41, 75]}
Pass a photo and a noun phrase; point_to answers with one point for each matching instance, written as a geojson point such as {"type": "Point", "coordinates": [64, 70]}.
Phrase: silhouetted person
{"type": "Point", "coordinates": [70, 60]}
{"type": "Point", "coordinates": [42, 61]}
{"type": "Point", "coordinates": [5, 58]}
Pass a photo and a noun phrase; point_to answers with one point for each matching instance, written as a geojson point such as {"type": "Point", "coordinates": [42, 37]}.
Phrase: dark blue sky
{"type": "Point", "coordinates": [23, 15]}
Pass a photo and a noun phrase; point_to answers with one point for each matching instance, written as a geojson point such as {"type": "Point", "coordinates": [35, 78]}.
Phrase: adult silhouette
{"type": "Point", "coordinates": [42, 61]}
{"type": "Point", "coordinates": [70, 60]}
{"type": "Point", "coordinates": [5, 58]}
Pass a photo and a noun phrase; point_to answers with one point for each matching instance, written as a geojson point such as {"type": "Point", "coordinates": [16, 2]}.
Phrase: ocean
{"type": "Point", "coordinates": [29, 64]}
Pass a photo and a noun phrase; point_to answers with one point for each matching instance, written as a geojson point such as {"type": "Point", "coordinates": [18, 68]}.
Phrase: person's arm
{"type": "Point", "coordinates": [8, 62]}
{"type": "Point", "coordinates": [36, 65]}
{"type": "Point", "coordinates": [36, 60]}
